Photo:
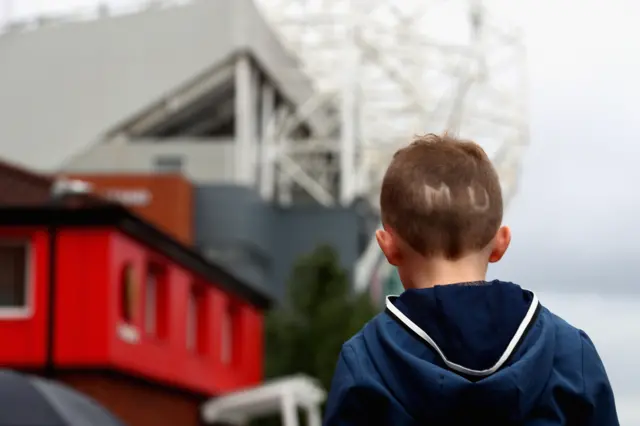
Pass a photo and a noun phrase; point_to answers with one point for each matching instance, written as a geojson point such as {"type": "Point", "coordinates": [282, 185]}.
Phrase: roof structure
{"type": "Point", "coordinates": [66, 84]}
{"type": "Point", "coordinates": [19, 186]}
{"type": "Point", "coordinates": [96, 212]}
{"type": "Point", "coordinates": [401, 68]}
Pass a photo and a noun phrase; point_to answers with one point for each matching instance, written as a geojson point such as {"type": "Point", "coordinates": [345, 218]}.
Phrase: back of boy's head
{"type": "Point", "coordinates": [442, 197]}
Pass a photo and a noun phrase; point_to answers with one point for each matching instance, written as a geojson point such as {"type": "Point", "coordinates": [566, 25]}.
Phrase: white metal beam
{"type": "Point", "coordinates": [244, 121]}
{"type": "Point", "coordinates": [398, 79]}
{"type": "Point", "coordinates": [412, 80]}
{"type": "Point", "coordinates": [269, 118]}
{"type": "Point", "coordinates": [282, 396]}
{"type": "Point", "coordinates": [348, 134]}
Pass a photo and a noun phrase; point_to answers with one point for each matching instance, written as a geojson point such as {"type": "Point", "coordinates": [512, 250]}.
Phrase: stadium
{"type": "Point", "coordinates": [228, 137]}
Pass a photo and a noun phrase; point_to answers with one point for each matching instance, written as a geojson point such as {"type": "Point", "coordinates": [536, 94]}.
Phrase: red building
{"type": "Point", "coordinates": [165, 200]}
{"type": "Point", "coordinates": [100, 299]}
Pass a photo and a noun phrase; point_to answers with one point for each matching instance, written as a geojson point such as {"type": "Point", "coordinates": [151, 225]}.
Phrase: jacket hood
{"type": "Point", "coordinates": [471, 352]}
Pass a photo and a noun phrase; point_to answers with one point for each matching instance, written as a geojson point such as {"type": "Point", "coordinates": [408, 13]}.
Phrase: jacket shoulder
{"type": "Point", "coordinates": [580, 375]}
{"type": "Point", "coordinates": [570, 344]}
{"type": "Point", "coordinates": [566, 333]}
{"type": "Point", "coordinates": [355, 348]}
{"type": "Point", "coordinates": [357, 340]}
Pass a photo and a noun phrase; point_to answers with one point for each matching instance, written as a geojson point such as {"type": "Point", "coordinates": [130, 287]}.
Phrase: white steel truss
{"type": "Point", "coordinates": [386, 70]}
{"type": "Point", "coordinates": [394, 69]}
{"type": "Point", "coordinates": [285, 396]}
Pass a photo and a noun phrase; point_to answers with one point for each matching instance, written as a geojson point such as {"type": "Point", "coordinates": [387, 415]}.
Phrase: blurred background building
{"type": "Point", "coordinates": [396, 69]}
{"type": "Point", "coordinates": [281, 115]}
{"type": "Point", "coordinates": [254, 132]}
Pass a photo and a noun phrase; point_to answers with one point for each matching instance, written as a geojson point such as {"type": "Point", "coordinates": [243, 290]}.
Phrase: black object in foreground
{"type": "Point", "coordinates": [30, 401]}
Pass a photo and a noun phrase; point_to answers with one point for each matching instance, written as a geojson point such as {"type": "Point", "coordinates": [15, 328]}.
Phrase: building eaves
{"type": "Point", "coordinates": [107, 214]}
{"type": "Point", "coordinates": [19, 186]}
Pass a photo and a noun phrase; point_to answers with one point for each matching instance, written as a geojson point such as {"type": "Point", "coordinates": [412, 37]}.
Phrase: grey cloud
{"type": "Point", "coordinates": [574, 221]}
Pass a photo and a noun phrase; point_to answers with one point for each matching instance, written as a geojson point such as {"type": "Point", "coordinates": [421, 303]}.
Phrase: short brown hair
{"type": "Point", "coordinates": [442, 196]}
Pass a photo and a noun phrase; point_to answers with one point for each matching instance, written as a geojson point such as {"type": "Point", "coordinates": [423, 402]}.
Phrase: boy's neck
{"type": "Point", "coordinates": [444, 272]}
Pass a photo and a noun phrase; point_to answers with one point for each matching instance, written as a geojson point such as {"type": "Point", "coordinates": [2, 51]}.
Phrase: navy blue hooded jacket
{"type": "Point", "coordinates": [485, 354]}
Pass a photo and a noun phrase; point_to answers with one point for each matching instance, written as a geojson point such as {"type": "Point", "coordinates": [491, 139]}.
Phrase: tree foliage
{"type": "Point", "coordinates": [321, 313]}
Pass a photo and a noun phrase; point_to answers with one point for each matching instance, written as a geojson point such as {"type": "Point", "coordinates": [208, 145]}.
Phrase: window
{"type": "Point", "coordinates": [168, 164]}
{"type": "Point", "coordinates": [150, 308]}
{"type": "Point", "coordinates": [197, 315]}
{"type": "Point", "coordinates": [127, 294]}
{"type": "Point", "coordinates": [156, 302]}
{"type": "Point", "coordinates": [128, 290]}
{"type": "Point", "coordinates": [226, 338]}
{"type": "Point", "coordinates": [192, 321]}
{"type": "Point", "coordinates": [228, 334]}
{"type": "Point", "coordinates": [14, 276]}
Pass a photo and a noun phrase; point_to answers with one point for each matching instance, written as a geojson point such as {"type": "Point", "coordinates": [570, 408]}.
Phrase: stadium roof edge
{"type": "Point", "coordinates": [86, 78]}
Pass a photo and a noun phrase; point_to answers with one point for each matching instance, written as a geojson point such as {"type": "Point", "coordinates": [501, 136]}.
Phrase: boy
{"type": "Point", "coordinates": [454, 349]}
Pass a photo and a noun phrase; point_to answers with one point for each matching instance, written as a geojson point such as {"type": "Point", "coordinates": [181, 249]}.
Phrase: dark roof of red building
{"type": "Point", "coordinates": [92, 214]}
{"type": "Point", "coordinates": [23, 187]}
{"type": "Point", "coordinates": [19, 186]}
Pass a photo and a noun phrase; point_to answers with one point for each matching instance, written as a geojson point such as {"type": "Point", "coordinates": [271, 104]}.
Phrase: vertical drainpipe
{"type": "Point", "coordinates": [55, 201]}
{"type": "Point", "coordinates": [61, 190]}
{"type": "Point", "coordinates": [244, 122]}
{"type": "Point", "coordinates": [52, 233]}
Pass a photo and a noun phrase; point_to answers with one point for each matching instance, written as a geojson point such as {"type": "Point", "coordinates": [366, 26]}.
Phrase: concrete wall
{"type": "Point", "coordinates": [300, 230]}
{"type": "Point", "coordinates": [204, 161]}
{"type": "Point", "coordinates": [233, 225]}
{"type": "Point", "coordinates": [221, 159]}
{"type": "Point", "coordinates": [262, 242]}
{"type": "Point", "coordinates": [62, 87]}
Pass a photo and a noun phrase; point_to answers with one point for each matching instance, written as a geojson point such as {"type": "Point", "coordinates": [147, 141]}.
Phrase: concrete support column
{"type": "Point", "coordinates": [256, 129]}
{"type": "Point", "coordinates": [348, 117]}
{"type": "Point", "coordinates": [289, 411]}
{"type": "Point", "coordinates": [245, 123]}
{"type": "Point", "coordinates": [285, 182]}
{"type": "Point", "coordinates": [267, 147]}
{"type": "Point", "coordinates": [313, 416]}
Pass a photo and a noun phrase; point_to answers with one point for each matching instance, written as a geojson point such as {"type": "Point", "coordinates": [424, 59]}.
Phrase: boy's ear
{"type": "Point", "coordinates": [500, 244]}
{"type": "Point", "coordinates": [389, 246]}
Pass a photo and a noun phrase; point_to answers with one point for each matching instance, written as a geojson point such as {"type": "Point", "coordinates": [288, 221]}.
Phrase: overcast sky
{"type": "Point", "coordinates": [574, 219]}
{"type": "Point", "coordinates": [576, 236]}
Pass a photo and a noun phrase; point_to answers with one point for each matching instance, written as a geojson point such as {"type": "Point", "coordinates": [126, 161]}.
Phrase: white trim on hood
{"type": "Point", "coordinates": [459, 368]}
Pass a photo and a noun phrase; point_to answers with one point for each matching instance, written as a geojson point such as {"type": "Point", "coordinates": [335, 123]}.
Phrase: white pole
{"type": "Point", "coordinates": [289, 411]}
{"type": "Point", "coordinates": [245, 124]}
{"type": "Point", "coordinates": [267, 153]}
{"type": "Point", "coordinates": [313, 416]}
{"type": "Point", "coordinates": [348, 125]}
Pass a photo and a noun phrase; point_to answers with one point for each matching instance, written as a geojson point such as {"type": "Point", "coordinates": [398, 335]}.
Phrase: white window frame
{"type": "Point", "coordinates": [192, 322]}
{"type": "Point", "coordinates": [26, 311]}
{"type": "Point", "coordinates": [151, 303]}
{"type": "Point", "coordinates": [127, 329]}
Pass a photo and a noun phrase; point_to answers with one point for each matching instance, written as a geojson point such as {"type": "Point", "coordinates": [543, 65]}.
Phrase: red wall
{"type": "Point", "coordinates": [23, 337]}
{"type": "Point", "coordinates": [170, 203]}
{"type": "Point", "coordinates": [88, 313]}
